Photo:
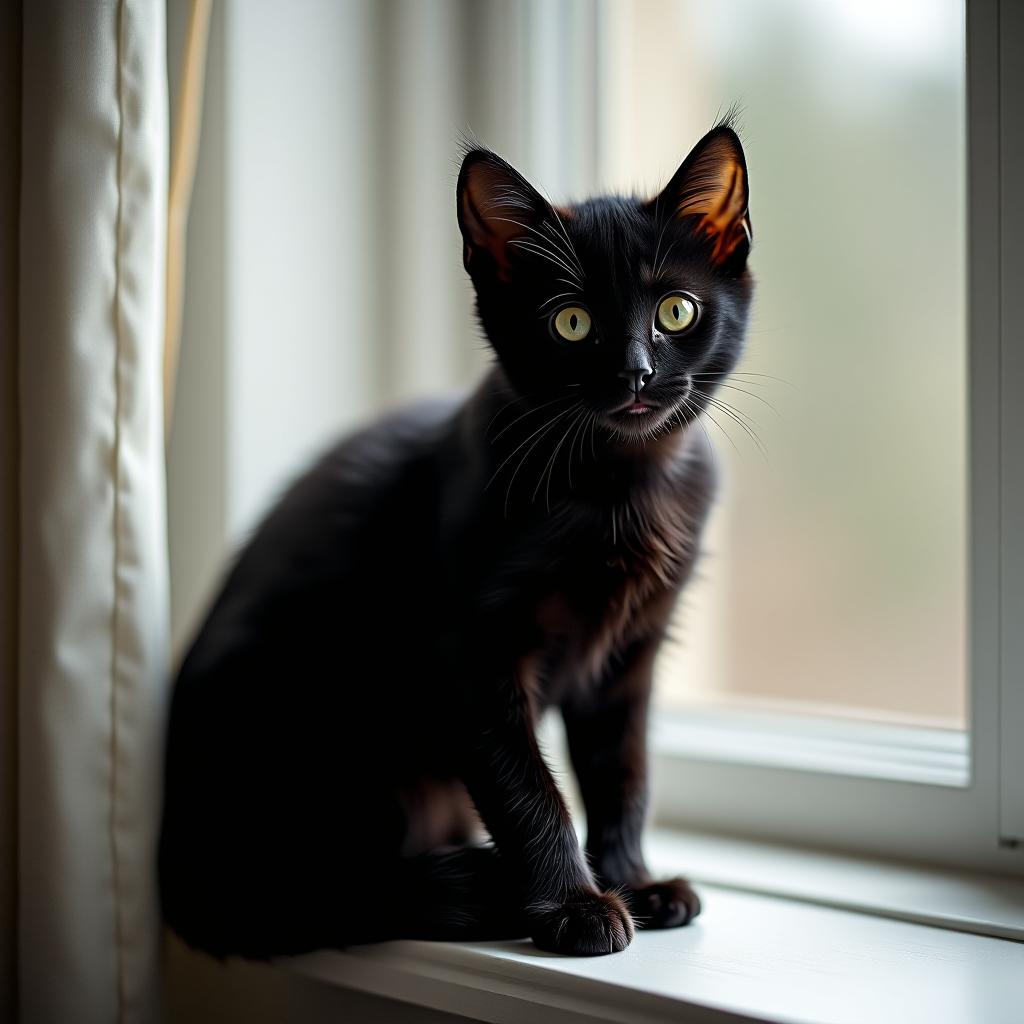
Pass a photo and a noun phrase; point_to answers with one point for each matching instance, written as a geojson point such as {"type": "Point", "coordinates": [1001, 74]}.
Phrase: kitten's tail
{"type": "Point", "coordinates": [457, 893]}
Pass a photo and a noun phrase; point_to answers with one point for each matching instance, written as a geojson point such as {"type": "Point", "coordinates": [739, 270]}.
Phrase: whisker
{"type": "Point", "coordinates": [733, 414]}
{"type": "Point", "coordinates": [735, 410]}
{"type": "Point", "coordinates": [554, 241]}
{"type": "Point", "coordinates": [581, 422]}
{"type": "Point", "coordinates": [513, 401]}
{"type": "Point", "coordinates": [508, 197]}
{"type": "Point", "coordinates": [661, 234]}
{"type": "Point", "coordinates": [748, 373]}
{"type": "Point", "coordinates": [657, 272]}
{"type": "Point", "coordinates": [763, 401]}
{"type": "Point", "coordinates": [570, 252]}
{"type": "Point", "coordinates": [523, 243]}
{"type": "Point", "coordinates": [515, 472]}
{"type": "Point", "coordinates": [717, 378]}
{"type": "Point", "coordinates": [560, 295]}
{"type": "Point", "coordinates": [728, 436]}
{"type": "Point", "coordinates": [547, 423]}
{"type": "Point", "coordinates": [565, 234]}
{"type": "Point", "coordinates": [568, 240]}
{"type": "Point", "coordinates": [575, 285]}
{"type": "Point", "coordinates": [695, 412]}
{"type": "Point", "coordinates": [583, 433]}
{"type": "Point", "coordinates": [551, 464]}
{"type": "Point", "coordinates": [532, 409]}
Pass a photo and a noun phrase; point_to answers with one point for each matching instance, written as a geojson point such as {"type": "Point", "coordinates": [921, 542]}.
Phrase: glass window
{"type": "Point", "coordinates": [834, 579]}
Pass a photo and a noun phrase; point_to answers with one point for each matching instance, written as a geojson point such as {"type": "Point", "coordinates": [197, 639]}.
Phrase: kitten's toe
{"type": "Point", "coordinates": [587, 925]}
{"type": "Point", "coordinates": [665, 904]}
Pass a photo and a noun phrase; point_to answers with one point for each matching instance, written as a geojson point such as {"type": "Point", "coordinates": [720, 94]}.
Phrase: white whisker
{"type": "Point", "coordinates": [543, 432]}
{"type": "Point", "coordinates": [533, 409]}
{"type": "Point", "coordinates": [549, 422]}
{"type": "Point", "coordinates": [523, 243]}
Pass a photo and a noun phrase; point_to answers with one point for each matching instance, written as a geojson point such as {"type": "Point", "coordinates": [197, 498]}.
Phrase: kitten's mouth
{"type": "Point", "coordinates": [636, 418]}
{"type": "Point", "coordinates": [636, 407]}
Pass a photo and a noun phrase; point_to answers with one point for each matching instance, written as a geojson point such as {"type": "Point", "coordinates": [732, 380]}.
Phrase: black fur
{"type": "Point", "coordinates": [368, 681]}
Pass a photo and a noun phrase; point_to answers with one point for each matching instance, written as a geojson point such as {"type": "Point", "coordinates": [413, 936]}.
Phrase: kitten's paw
{"type": "Point", "coordinates": [585, 925]}
{"type": "Point", "coordinates": [664, 904]}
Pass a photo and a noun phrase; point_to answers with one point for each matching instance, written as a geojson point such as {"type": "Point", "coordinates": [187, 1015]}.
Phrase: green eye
{"type": "Point", "coordinates": [676, 313]}
{"type": "Point", "coordinates": [572, 323]}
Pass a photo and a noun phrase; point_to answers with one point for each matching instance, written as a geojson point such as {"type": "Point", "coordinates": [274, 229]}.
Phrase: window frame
{"type": "Point", "coordinates": [1010, 33]}
{"type": "Point", "coordinates": [972, 815]}
{"type": "Point", "coordinates": [876, 809]}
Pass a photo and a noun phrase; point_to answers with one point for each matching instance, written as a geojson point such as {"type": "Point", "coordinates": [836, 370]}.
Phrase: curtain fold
{"type": "Point", "coordinates": [93, 568]}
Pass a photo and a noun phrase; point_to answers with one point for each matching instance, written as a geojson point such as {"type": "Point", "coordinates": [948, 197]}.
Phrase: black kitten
{"type": "Point", "coordinates": [374, 666]}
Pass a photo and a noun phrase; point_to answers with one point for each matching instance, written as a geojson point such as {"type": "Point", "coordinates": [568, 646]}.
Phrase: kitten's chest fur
{"type": "Point", "coordinates": [613, 574]}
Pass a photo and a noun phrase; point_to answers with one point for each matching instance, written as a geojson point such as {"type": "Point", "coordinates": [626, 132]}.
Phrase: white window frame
{"type": "Point", "coordinates": [936, 795]}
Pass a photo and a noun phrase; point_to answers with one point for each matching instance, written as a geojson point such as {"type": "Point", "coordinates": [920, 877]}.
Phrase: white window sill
{"type": "Point", "coordinates": [748, 957]}
{"type": "Point", "coordinates": [814, 742]}
{"type": "Point", "coordinates": [984, 904]}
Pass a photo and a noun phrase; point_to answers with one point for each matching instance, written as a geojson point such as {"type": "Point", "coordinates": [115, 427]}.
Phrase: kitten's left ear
{"type": "Point", "coordinates": [496, 205]}
{"type": "Point", "coordinates": [711, 188]}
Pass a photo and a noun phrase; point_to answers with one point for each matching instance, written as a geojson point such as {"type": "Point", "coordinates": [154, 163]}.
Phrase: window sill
{"type": "Point", "coordinates": [870, 750]}
{"type": "Point", "coordinates": [983, 904]}
{"type": "Point", "coordinates": [748, 957]}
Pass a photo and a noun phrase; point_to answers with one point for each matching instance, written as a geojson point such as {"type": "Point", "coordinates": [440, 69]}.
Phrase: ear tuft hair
{"type": "Point", "coordinates": [732, 118]}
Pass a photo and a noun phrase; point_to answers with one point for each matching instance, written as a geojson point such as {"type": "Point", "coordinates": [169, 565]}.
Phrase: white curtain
{"type": "Point", "coordinates": [92, 609]}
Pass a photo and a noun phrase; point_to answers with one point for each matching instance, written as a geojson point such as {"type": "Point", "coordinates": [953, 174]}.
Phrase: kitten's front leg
{"type": "Point", "coordinates": [607, 733]}
{"type": "Point", "coordinates": [526, 816]}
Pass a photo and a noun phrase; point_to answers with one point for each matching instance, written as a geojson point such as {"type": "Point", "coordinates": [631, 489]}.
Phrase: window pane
{"type": "Point", "coordinates": [835, 573]}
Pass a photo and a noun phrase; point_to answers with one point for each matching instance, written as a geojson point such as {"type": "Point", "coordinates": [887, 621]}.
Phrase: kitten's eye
{"type": "Point", "coordinates": [572, 323]}
{"type": "Point", "coordinates": [676, 313]}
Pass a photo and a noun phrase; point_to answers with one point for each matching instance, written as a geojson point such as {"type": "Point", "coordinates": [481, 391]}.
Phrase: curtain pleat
{"type": "Point", "coordinates": [93, 595]}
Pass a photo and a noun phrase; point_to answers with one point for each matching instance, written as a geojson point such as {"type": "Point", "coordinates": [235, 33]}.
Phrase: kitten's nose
{"type": "Point", "coordinates": [638, 370]}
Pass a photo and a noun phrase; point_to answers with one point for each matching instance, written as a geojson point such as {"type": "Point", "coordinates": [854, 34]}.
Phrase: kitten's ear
{"type": "Point", "coordinates": [711, 187]}
{"type": "Point", "coordinates": [496, 204]}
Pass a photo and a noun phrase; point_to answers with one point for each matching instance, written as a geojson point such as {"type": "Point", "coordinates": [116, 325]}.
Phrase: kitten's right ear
{"type": "Point", "coordinates": [496, 204]}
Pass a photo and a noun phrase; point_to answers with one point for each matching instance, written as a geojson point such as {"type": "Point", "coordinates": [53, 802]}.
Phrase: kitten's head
{"type": "Point", "coordinates": [634, 308]}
